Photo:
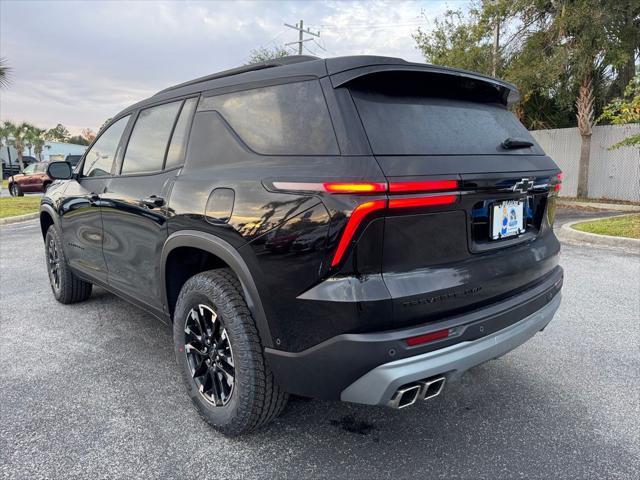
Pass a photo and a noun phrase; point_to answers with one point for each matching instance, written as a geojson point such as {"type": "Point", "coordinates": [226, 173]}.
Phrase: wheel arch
{"type": "Point", "coordinates": [48, 217]}
{"type": "Point", "coordinates": [229, 257]}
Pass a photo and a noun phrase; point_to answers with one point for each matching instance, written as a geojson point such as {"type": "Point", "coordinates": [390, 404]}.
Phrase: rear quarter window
{"type": "Point", "coordinates": [288, 119]}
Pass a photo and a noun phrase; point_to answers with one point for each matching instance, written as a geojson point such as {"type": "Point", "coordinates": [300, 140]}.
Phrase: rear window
{"type": "Point", "coordinates": [402, 120]}
{"type": "Point", "coordinates": [289, 119]}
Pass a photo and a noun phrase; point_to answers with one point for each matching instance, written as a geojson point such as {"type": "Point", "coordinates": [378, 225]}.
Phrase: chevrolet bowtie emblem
{"type": "Point", "coordinates": [523, 186]}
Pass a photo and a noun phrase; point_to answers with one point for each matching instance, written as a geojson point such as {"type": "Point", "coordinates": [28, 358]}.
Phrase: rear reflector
{"type": "Point", "coordinates": [427, 337]}
{"type": "Point", "coordinates": [358, 214]}
{"type": "Point", "coordinates": [425, 186]}
{"type": "Point", "coordinates": [422, 201]}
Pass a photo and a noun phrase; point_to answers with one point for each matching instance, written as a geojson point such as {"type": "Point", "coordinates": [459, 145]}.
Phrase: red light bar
{"type": "Point", "coordinates": [423, 186]}
{"type": "Point", "coordinates": [422, 201]}
{"type": "Point", "coordinates": [427, 337]}
{"type": "Point", "coordinates": [358, 214]}
{"type": "Point", "coordinates": [354, 187]}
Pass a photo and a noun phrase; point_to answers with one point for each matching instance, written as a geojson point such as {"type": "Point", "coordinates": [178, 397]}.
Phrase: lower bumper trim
{"type": "Point", "coordinates": [378, 385]}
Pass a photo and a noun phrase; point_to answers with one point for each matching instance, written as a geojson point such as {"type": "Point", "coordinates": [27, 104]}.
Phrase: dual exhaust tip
{"type": "Point", "coordinates": [423, 390]}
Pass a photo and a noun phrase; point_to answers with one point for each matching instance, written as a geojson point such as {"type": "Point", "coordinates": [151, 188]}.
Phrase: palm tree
{"type": "Point", "coordinates": [18, 134]}
{"type": "Point", "coordinates": [4, 73]}
{"type": "Point", "coordinates": [38, 141]}
{"type": "Point", "coordinates": [4, 139]}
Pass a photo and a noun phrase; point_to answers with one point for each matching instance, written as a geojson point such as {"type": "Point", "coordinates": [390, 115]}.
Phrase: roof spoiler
{"type": "Point", "coordinates": [508, 92]}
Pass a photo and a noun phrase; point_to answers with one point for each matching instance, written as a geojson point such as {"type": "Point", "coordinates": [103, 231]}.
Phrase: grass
{"type": "Point", "coordinates": [621, 226]}
{"type": "Point", "coordinates": [13, 206]}
{"type": "Point", "coordinates": [597, 200]}
{"type": "Point", "coordinates": [5, 184]}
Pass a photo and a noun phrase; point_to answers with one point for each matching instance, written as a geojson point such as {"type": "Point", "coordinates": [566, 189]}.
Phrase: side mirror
{"type": "Point", "coordinates": [60, 170]}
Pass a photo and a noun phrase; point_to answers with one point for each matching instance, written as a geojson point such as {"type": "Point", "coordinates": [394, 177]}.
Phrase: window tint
{"type": "Point", "coordinates": [175, 155]}
{"type": "Point", "coordinates": [290, 119]}
{"type": "Point", "coordinates": [99, 159]}
{"type": "Point", "coordinates": [149, 138]}
{"type": "Point", "coordinates": [398, 123]}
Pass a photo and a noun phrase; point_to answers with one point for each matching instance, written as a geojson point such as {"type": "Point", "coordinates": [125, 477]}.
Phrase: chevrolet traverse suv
{"type": "Point", "coordinates": [360, 228]}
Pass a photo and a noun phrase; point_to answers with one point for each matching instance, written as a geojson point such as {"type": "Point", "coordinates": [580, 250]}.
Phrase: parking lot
{"type": "Point", "coordinates": [92, 391]}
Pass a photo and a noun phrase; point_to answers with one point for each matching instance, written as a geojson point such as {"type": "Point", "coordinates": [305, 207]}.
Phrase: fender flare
{"type": "Point", "coordinates": [47, 208]}
{"type": "Point", "coordinates": [228, 254]}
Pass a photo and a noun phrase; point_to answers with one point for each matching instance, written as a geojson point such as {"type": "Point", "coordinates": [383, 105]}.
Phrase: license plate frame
{"type": "Point", "coordinates": [507, 219]}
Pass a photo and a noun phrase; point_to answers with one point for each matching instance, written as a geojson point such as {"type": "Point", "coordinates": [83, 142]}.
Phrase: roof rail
{"type": "Point", "coordinates": [277, 62]}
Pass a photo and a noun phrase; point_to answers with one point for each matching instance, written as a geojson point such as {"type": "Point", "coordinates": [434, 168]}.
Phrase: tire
{"type": "Point", "coordinates": [66, 286]}
{"type": "Point", "coordinates": [15, 190]}
{"type": "Point", "coordinates": [253, 397]}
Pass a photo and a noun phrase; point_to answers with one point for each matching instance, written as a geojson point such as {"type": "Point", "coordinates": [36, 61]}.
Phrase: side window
{"type": "Point", "coordinates": [149, 138]}
{"type": "Point", "coordinates": [289, 119]}
{"type": "Point", "coordinates": [175, 155]}
{"type": "Point", "coordinates": [29, 169]}
{"type": "Point", "coordinates": [99, 159]}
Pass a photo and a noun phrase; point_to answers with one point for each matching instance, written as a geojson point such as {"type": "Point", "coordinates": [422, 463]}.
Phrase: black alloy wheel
{"type": "Point", "coordinates": [209, 355]}
{"type": "Point", "coordinates": [53, 264]}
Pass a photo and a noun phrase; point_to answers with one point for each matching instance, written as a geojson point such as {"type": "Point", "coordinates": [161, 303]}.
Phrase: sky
{"type": "Point", "coordinates": [79, 63]}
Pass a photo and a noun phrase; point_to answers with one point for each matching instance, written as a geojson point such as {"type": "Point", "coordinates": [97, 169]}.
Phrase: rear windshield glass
{"type": "Point", "coordinates": [407, 123]}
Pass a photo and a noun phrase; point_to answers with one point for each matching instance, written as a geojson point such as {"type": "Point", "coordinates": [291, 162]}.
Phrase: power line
{"type": "Point", "coordinates": [301, 33]}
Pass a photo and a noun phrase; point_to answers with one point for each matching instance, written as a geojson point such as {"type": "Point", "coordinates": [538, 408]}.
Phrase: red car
{"type": "Point", "coordinates": [34, 178]}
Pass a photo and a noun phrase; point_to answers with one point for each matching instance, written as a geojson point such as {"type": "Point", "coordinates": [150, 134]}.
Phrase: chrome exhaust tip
{"type": "Point", "coordinates": [405, 396]}
{"type": "Point", "coordinates": [431, 387]}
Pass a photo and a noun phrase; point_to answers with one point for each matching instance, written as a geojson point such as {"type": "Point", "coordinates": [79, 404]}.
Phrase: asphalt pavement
{"type": "Point", "coordinates": [92, 391]}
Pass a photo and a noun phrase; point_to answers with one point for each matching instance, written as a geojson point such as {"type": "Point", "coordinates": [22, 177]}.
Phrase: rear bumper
{"type": "Point", "coordinates": [341, 367]}
{"type": "Point", "coordinates": [378, 386]}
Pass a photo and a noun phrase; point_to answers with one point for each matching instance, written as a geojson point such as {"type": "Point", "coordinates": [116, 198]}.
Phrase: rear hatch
{"type": "Point", "coordinates": [453, 138]}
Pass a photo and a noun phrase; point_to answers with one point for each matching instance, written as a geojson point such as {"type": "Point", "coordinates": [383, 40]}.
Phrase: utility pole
{"type": "Point", "coordinates": [301, 31]}
{"type": "Point", "coordinates": [496, 37]}
{"type": "Point", "coordinates": [496, 45]}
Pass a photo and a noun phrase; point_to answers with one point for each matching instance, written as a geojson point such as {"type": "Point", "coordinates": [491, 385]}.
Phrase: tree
{"type": "Point", "coordinates": [78, 140]}
{"type": "Point", "coordinates": [17, 136]}
{"type": "Point", "coordinates": [58, 134]}
{"type": "Point", "coordinates": [88, 134]}
{"type": "Point", "coordinates": [106, 122]}
{"type": "Point", "coordinates": [4, 73]}
{"type": "Point", "coordinates": [263, 54]}
{"type": "Point", "coordinates": [38, 141]}
{"type": "Point", "coordinates": [625, 110]}
{"type": "Point", "coordinates": [564, 56]}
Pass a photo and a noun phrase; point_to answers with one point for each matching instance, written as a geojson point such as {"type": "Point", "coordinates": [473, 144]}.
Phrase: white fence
{"type": "Point", "coordinates": [613, 174]}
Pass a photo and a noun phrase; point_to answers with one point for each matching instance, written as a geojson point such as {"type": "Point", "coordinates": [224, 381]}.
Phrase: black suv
{"type": "Point", "coordinates": [358, 229]}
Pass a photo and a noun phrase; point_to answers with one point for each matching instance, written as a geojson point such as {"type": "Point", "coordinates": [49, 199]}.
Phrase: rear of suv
{"type": "Point", "coordinates": [360, 228]}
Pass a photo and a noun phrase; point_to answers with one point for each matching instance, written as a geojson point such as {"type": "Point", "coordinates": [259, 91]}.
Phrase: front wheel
{"type": "Point", "coordinates": [220, 355]}
{"type": "Point", "coordinates": [15, 190]}
{"type": "Point", "coordinates": [66, 286]}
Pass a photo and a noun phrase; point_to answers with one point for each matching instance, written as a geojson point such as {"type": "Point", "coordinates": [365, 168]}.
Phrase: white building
{"type": "Point", "coordinates": [51, 151]}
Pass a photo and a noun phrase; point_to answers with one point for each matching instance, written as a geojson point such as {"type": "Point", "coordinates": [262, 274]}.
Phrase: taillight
{"type": "Point", "coordinates": [422, 201]}
{"type": "Point", "coordinates": [360, 187]}
{"type": "Point", "coordinates": [355, 219]}
{"type": "Point", "coordinates": [364, 209]}
{"type": "Point", "coordinates": [556, 181]}
{"type": "Point", "coordinates": [425, 186]}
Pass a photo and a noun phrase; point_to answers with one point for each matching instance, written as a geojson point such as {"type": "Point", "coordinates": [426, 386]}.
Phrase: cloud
{"type": "Point", "coordinates": [78, 63]}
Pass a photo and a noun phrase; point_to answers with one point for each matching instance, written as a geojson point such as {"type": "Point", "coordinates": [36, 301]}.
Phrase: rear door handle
{"type": "Point", "coordinates": [153, 201]}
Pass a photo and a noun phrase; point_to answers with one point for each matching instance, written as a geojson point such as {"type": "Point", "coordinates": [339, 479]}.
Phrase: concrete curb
{"type": "Point", "coordinates": [570, 235]}
{"type": "Point", "coordinates": [620, 207]}
{"type": "Point", "coordinates": [19, 218]}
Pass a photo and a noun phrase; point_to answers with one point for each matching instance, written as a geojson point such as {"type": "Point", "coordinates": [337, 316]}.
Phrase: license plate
{"type": "Point", "coordinates": [507, 219]}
